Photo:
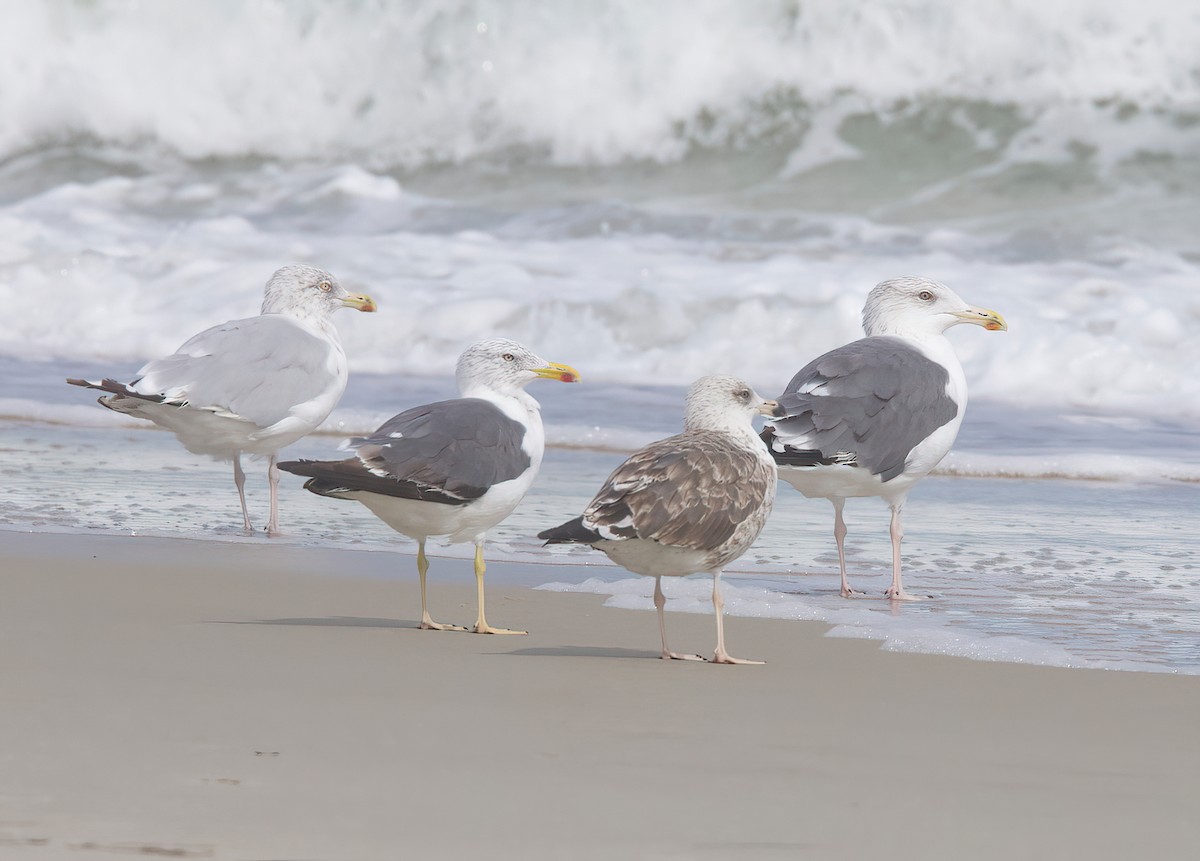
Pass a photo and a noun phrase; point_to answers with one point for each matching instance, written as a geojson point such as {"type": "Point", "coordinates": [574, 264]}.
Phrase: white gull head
{"type": "Point", "coordinates": [920, 307]}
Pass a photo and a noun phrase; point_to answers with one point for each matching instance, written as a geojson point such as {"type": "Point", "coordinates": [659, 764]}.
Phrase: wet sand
{"type": "Point", "coordinates": [181, 698]}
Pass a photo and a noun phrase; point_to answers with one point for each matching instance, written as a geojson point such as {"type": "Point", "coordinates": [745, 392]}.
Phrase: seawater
{"type": "Point", "coordinates": [650, 192]}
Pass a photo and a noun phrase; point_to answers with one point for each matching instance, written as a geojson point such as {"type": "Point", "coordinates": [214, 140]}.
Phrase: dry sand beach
{"type": "Point", "coordinates": [176, 698]}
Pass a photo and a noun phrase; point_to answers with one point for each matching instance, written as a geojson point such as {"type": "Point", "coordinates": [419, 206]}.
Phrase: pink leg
{"type": "Point", "coordinates": [273, 480]}
{"type": "Point", "coordinates": [839, 535]}
{"type": "Point", "coordinates": [239, 478]}
{"type": "Point", "coordinates": [660, 601]}
{"type": "Point", "coordinates": [721, 656]}
{"type": "Point", "coordinates": [896, 590]}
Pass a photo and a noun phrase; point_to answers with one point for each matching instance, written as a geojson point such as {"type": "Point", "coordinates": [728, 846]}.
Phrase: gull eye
{"type": "Point", "coordinates": [924, 295]}
{"type": "Point", "coordinates": [742, 394]}
{"type": "Point", "coordinates": [325, 286]}
{"type": "Point", "coordinates": [508, 357]}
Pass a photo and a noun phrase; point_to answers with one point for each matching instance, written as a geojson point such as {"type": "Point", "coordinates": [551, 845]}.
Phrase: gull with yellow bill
{"type": "Point", "coordinates": [249, 386]}
{"type": "Point", "coordinates": [874, 417]}
{"type": "Point", "coordinates": [453, 468]}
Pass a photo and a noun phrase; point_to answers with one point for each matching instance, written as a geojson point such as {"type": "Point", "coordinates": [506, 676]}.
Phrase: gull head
{"type": "Point", "coordinates": [920, 306]}
{"type": "Point", "coordinates": [722, 403]}
{"type": "Point", "coordinates": [307, 292]}
{"type": "Point", "coordinates": [505, 366]}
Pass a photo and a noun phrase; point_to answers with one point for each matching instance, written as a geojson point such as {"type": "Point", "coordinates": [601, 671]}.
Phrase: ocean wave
{"type": "Point", "coordinates": [424, 83]}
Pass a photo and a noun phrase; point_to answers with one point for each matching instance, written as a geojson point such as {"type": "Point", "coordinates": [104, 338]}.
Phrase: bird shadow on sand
{"type": "Point", "coordinates": [331, 622]}
{"type": "Point", "coordinates": [580, 652]}
{"type": "Point", "coordinates": [367, 622]}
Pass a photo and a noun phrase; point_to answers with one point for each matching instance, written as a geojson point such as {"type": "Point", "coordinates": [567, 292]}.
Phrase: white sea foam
{"type": "Point", "coordinates": [1084, 466]}
{"type": "Point", "coordinates": [645, 308]}
{"type": "Point", "coordinates": [414, 83]}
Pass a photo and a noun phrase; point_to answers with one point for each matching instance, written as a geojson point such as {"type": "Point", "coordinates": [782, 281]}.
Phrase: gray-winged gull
{"type": "Point", "coordinates": [249, 386]}
{"type": "Point", "coordinates": [874, 417]}
{"type": "Point", "coordinates": [688, 504]}
{"type": "Point", "coordinates": [453, 468]}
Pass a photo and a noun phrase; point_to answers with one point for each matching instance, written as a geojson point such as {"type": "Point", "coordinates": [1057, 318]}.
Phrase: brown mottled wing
{"type": "Point", "coordinates": [691, 490]}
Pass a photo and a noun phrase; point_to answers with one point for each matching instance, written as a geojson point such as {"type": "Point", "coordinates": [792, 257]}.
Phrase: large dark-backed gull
{"type": "Point", "coordinates": [249, 386]}
{"type": "Point", "coordinates": [453, 468]}
{"type": "Point", "coordinates": [688, 504]}
{"type": "Point", "coordinates": [874, 417]}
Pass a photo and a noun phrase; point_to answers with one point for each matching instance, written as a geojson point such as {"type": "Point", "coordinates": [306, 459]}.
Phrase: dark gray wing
{"type": "Point", "coordinates": [691, 490]}
{"type": "Point", "coordinates": [868, 403]}
{"type": "Point", "coordinates": [450, 452]}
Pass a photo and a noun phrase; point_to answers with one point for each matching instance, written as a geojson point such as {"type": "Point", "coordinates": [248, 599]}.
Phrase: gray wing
{"type": "Point", "coordinates": [868, 403]}
{"type": "Point", "coordinates": [449, 452]}
{"type": "Point", "coordinates": [257, 369]}
{"type": "Point", "coordinates": [691, 490]}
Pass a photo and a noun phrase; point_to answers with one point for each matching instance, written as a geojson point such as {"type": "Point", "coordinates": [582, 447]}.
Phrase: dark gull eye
{"type": "Point", "coordinates": [508, 357]}
{"type": "Point", "coordinates": [742, 394]}
{"type": "Point", "coordinates": [924, 295]}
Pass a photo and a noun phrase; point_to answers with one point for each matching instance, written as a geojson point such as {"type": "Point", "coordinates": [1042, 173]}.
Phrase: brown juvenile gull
{"type": "Point", "coordinates": [688, 504]}
{"type": "Point", "coordinates": [874, 417]}
{"type": "Point", "coordinates": [452, 468]}
{"type": "Point", "coordinates": [249, 386]}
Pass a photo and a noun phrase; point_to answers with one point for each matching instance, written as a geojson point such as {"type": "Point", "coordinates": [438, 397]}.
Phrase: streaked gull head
{"type": "Point", "coordinates": [505, 367]}
{"type": "Point", "coordinates": [309, 293]}
{"type": "Point", "coordinates": [723, 403]}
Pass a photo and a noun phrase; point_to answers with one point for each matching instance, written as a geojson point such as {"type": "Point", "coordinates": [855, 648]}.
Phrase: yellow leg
{"type": "Point", "coordinates": [481, 625]}
{"type": "Point", "coordinates": [427, 623]}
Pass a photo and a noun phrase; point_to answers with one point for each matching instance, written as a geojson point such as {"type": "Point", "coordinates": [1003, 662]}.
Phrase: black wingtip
{"type": "Point", "coordinates": [293, 466]}
{"type": "Point", "coordinates": [318, 483]}
{"type": "Point", "coordinates": [105, 385]}
{"type": "Point", "coordinates": [113, 387]}
{"type": "Point", "coordinates": [571, 532]}
{"type": "Point", "coordinates": [325, 487]}
{"type": "Point", "coordinates": [318, 472]}
{"type": "Point", "coordinates": [312, 469]}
